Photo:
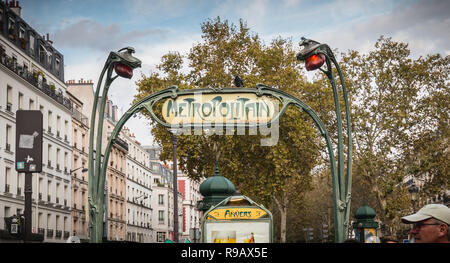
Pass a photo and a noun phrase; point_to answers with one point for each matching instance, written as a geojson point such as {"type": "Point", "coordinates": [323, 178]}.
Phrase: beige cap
{"type": "Point", "coordinates": [437, 211]}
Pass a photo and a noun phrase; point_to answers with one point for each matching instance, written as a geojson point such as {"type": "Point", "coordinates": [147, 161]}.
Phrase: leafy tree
{"type": "Point", "coordinates": [270, 175]}
{"type": "Point", "coordinates": [400, 119]}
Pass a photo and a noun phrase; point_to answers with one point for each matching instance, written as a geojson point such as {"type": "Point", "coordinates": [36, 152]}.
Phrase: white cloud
{"type": "Point", "coordinates": [422, 26]}
{"type": "Point", "coordinates": [91, 34]}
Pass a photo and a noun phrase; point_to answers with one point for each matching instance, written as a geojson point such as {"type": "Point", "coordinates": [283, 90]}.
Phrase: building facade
{"type": "Point", "coordinates": [190, 190]}
{"type": "Point", "coordinates": [32, 78]}
{"type": "Point", "coordinates": [162, 199]}
{"type": "Point", "coordinates": [139, 191]}
{"type": "Point", "coordinates": [115, 184]}
{"type": "Point", "coordinates": [79, 176]}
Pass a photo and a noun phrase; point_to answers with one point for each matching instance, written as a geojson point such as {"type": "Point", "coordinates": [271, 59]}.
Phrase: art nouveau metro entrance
{"type": "Point", "coordinates": [227, 109]}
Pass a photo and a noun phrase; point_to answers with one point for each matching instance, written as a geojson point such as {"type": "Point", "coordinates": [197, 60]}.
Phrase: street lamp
{"type": "Point", "coordinates": [315, 55]}
{"type": "Point", "coordinates": [83, 170]}
{"type": "Point", "coordinates": [175, 185]}
{"type": "Point", "coordinates": [139, 197]}
{"type": "Point", "coordinates": [414, 194]}
{"type": "Point", "coordinates": [123, 64]}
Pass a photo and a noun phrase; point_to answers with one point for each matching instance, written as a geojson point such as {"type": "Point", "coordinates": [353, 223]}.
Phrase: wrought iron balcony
{"type": "Point", "coordinates": [32, 78]}
{"type": "Point", "coordinates": [49, 232]}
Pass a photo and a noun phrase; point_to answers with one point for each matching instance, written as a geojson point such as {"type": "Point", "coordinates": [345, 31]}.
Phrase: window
{"type": "Point", "coordinates": [19, 183]}
{"type": "Point", "coordinates": [161, 216]}
{"type": "Point", "coordinates": [66, 129]}
{"type": "Point", "coordinates": [50, 121]}
{"type": "Point", "coordinates": [66, 162]}
{"type": "Point", "coordinates": [161, 236]}
{"type": "Point", "coordinates": [31, 105]}
{"type": "Point", "coordinates": [22, 33]}
{"type": "Point", "coordinates": [49, 156]}
{"type": "Point", "coordinates": [58, 125]}
{"type": "Point", "coordinates": [57, 193]}
{"type": "Point", "coordinates": [40, 188]}
{"type": "Point", "coordinates": [40, 220]}
{"type": "Point", "coordinates": [58, 152]}
{"type": "Point", "coordinates": [48, 220]}
{"type": "Point", "coordinates": [161, 199]}
{"type": "Point", "coordinates": [57, 65]}
{"type": "Point", "coordinates": [49, 59]}
{"type": "Point", "coordinates": [65, 195]}
{"type": "Point", "coordinates": [23, 41]}
{"type": "Point", "coordinates": [11, 29]}
{"type": "Point", "coordinates": [49, 189]}
{"type": "Point", "coordinates": [20, 101]}
{"type": "Point", "coordinates": [41, 54]}
{"type": "Point", "coordinates": [7, 179]}
{"type": "Point", "coordinates": [9, 99]}
{"type": "Point", "coordinates": [8, 138]}
{"type": "Point", "coordinates": [32, 45]}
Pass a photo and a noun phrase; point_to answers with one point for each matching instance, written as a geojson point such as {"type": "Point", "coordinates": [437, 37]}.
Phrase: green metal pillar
{"type": "Point", "coordinates": [123, 63]}
{"type": "Point", "coordinates": [342, 185]}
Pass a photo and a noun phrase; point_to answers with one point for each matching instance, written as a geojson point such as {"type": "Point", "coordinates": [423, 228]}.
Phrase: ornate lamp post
{"type": "Point", "coordinates": [315, 55]}
{"type": "Point", "coordinates": [175, 186]}
{"type": "Point", "coordinates": [123, 64]}
{"type": "Point", "coordinates": [414, 194]}
{"type": "Point", "coordinates": [83, 170]}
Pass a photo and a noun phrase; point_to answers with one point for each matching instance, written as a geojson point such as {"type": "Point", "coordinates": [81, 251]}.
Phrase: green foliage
{"type": "Point", "coordinates": [400, 119]}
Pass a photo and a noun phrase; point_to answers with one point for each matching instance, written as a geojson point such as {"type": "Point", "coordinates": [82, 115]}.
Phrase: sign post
{"type": "Point", "coordinates": [28, 156]}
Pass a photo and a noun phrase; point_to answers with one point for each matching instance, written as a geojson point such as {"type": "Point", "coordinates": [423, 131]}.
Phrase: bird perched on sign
{"type": "Point", "coordinates": [238, 82]}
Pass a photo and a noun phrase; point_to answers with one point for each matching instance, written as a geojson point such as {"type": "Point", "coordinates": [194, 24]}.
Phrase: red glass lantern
{"type": "Point", "coordinates": [314, 62]}
{"type": "Point", "coordinates": [123, 70]}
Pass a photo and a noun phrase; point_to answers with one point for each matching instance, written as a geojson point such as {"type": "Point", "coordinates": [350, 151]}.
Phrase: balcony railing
{"type": "Point", "coordinates": [79, 116]}
{"type": "Point", "coordinates": [49, 232]}
{"type": "Point", "coordinates": [32, 78]}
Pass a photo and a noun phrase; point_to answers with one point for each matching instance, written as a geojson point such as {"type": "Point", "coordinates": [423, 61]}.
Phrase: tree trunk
{"type": "Point", "coordinates": [282, 207]}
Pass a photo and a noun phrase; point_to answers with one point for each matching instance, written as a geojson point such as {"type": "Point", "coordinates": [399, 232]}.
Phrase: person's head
{"type": "Point", "coordinates": [350, 240]}
{"type": "Point", "coordinates": [388, 239]}
{"type": "Point", "coordinates": [431, 224]}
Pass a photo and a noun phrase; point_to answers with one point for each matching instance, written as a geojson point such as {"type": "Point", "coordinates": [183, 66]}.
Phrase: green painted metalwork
{"type": "Point", "coordinates": [96, 182]}
{"type": "Point", "coordinates": [341, 184]}
{"type": "Point", "coordinates": [285, 98]}
{"type": "Point", "coordinates": [344, 186]}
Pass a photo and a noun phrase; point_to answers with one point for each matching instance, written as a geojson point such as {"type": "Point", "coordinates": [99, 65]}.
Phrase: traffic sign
{"type": "Point", "coordinates": [29, 141]}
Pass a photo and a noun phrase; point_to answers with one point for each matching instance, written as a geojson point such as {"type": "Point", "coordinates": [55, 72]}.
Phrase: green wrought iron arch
{"type": "Point", "coordinates": [286, 99]}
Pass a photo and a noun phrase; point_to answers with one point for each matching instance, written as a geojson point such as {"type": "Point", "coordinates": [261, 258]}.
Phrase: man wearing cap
{"type": "Point", "coordinates": [431, 224]}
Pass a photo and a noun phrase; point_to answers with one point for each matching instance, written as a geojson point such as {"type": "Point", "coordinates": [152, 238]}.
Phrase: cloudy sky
{"type": "Point", "coordinates": [85, 31]}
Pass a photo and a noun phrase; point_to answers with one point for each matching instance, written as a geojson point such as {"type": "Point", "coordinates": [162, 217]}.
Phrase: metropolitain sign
{"type": "Point", "coordinates": [232, 108]}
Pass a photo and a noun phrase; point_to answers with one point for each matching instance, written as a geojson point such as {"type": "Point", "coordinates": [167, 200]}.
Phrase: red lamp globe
{"type": "Point", "coordinates": [123, 70]}
{"type": "Point", "coordinates": [314, 62]}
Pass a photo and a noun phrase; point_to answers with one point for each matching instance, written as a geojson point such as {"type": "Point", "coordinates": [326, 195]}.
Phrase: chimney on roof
{"type": "Point", "coordinates": [48, 40]}
{"type": "Point", "coordinates": [14, 6]}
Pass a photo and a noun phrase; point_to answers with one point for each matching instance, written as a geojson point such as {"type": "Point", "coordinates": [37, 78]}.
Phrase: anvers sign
{"type": "Point", "coordinates": [236, 213]}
